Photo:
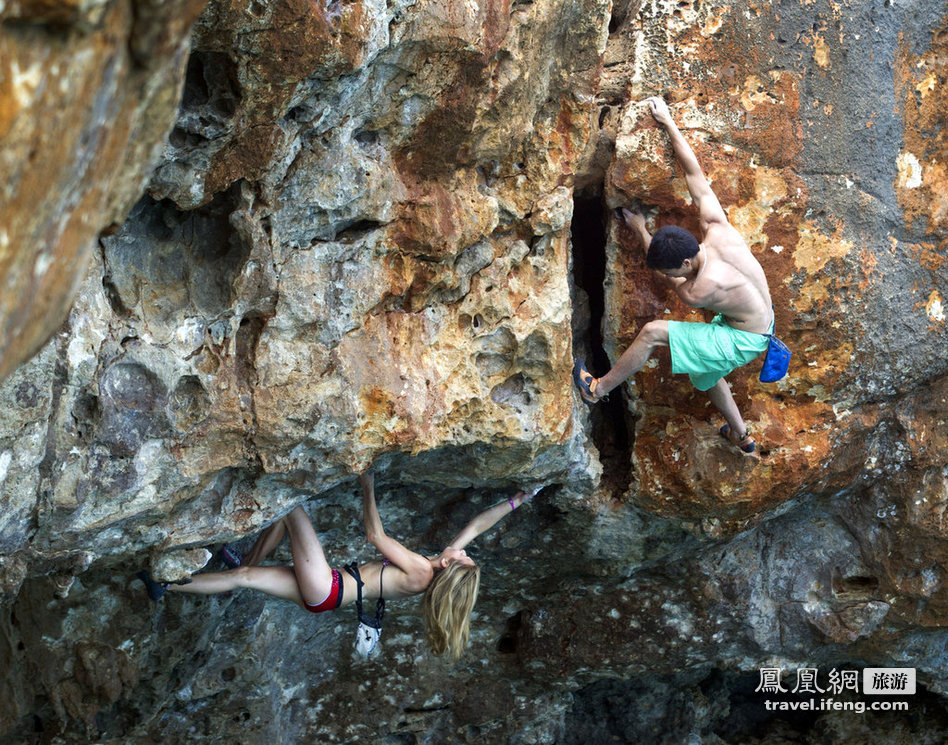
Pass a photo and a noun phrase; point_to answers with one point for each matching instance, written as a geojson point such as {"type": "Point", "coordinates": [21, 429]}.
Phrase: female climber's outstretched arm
{"type": "Point", "coordinates": [416, 567]}
{"type": "Point", "coordinates": [488, 518]}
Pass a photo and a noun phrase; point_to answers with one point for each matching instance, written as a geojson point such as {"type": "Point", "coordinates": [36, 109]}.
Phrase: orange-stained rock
{"type": "Point", "coordinates": [834, 281]}
{"type": "Point", "coordinates": [250, 66]}
{"type": "Point", "coordinates": [88, 94]}
{"type": "Point", "coordinates": [922, 173]}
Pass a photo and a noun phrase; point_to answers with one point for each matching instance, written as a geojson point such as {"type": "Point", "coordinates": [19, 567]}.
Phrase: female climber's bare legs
{"type": "Point", "coordinates": [278, 581]}
{"type": "Point", "coordinates": [268, 540]}
{"type": "Point", "coordinates": [309, 579]}
{"type": "Point", "coordinates": [313, 573]}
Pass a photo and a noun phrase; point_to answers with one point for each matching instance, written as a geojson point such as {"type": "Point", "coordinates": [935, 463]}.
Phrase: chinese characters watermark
{"type": "Point", "coordinates": [876, 681]}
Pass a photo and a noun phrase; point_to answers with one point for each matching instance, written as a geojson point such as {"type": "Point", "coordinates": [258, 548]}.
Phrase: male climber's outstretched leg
{"type": "Point", "coordinates": [653, 335]}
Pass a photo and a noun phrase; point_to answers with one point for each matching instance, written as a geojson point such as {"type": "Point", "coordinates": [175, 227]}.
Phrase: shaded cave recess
{"type": "Point", "coordinates": [612, 425]}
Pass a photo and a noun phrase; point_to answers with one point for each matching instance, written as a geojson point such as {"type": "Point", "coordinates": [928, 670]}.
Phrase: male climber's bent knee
{"type": "Point", "coordinates": [655, 333]}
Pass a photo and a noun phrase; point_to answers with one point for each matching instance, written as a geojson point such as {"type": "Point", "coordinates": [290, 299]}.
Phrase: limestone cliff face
{"type": "Point", "coordinates": [356, 254]}
{"type": "Point", "coordinates": [815, 177]}
{"type": "Point", "coordinates": [358, 246]}
{"type": "Point", "coordinates": [88, 94]}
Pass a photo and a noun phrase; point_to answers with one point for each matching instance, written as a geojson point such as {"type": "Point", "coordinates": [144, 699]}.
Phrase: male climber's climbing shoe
{"type": "Point", "coordinates": [156, 591]}
{"type": "Point", "coordinates": [745, 443]}
{"type": "Point", "coordinates": [586, 383]}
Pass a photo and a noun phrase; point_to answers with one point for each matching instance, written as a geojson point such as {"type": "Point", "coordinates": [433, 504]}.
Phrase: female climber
{"type": "Point", "coordinates": [449, 580]}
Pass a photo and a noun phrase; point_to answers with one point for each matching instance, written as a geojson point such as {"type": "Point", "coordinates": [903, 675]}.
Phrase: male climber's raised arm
{"type": "Point", "coordinates": [636, 221]}
{"type": "Point", "coordinates": [709, 208]}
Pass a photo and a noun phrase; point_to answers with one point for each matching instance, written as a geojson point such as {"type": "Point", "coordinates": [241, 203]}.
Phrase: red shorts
{"type": "Point", "coordinates": [333, 600]}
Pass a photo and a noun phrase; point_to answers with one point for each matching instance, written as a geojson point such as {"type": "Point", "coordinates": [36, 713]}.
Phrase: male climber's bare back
{"type": "Point", "coordinates": [733, 281]}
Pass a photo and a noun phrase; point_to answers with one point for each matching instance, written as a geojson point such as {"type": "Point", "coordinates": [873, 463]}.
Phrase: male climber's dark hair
{"type": "Point", "coordinates": [669, 248]}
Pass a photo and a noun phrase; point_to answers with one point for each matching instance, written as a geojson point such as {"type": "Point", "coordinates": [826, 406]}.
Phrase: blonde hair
{"type": "Point", "coordinates": [448, 603]}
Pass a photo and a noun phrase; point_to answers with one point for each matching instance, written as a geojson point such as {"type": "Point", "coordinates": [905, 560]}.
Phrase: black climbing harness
{"type": "Point", "coordinates": [370, 629]}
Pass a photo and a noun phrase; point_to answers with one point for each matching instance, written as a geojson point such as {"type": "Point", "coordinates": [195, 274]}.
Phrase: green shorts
{"type": "Point", "coordinates": [709, 351]}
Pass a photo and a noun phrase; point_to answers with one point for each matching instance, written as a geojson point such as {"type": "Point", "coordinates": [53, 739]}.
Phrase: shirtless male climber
{"type": "Point", "coordinates": [720, 274]}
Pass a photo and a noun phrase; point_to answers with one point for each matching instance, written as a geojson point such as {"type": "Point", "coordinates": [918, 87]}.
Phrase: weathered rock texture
{"type": "Point", "coordinates": [356, 249]}
{"type": "Point", "coordinates": [382, 279]}
{"type": "Point", "coordinates": [808, 152]}
{"type": "Point", "coordinates": [88, 95]}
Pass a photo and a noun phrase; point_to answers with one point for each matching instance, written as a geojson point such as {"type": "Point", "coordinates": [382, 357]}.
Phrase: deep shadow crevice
{"type": "Point", "coordinates": [611, 428]}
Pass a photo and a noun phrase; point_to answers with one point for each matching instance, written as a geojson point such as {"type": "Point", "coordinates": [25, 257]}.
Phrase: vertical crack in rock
{"type": "Point", "coordinates": [248, 336]}
{"type": "Point", "coordinates": [47, 466]}
{"type": "Point", "coordinates": [611, 432]}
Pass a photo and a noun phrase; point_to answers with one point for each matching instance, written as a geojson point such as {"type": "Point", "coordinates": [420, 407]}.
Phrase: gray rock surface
{"type": "Point", "coordinates": [362, 245]}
